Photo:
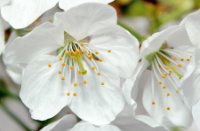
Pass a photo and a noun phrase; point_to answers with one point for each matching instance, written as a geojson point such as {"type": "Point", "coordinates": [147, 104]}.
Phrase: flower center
{"type": "Point", "coordinates": [169, 65]}
{"type": "Point", "coordinates": [73, 57]}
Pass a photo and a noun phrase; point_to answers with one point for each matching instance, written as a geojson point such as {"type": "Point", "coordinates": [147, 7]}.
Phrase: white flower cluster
{"type": "Point", "coordinates": [80, 59]}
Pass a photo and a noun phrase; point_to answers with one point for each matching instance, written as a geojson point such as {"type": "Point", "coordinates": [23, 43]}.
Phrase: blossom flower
{"type": "Point", "coordinates": [168, 58]}
{"type": "Point", "coordinates": [77, 61]}
{"type": "Point", "coordinates": [192, 93]}
{"type": "Point", "coordinates": [21, 13]}
{"type": "Point", "coordinates": [2, 3]}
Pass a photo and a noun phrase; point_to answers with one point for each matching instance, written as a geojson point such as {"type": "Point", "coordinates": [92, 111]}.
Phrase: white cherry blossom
{"type": "Point", "coordinates": [21, 13]}
{"type": "Point", "coordinates": [77, 61]}
{"type": "Point", "coordinates": [168, 58]}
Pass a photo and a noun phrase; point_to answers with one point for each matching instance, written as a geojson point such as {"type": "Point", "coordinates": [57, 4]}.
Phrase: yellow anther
{"type": "Point", "coordinates": [90, 56]}
{"type": "Point", "coordinates": [71, 67]}
{"type": "Point", "coordinates": [153, 103]}
{"type": "Point", "coordinates": [79, 72]}
{"type": "Point", "coordinates": [109, 51]}
{"type": "Point", "coordinates": [166, 67]}
{"type": "Point", "coordinates": [182, 59]}
{"type": "Point", "coordinates": [67, 52]}
{"type": "Point", "coordinates": [63, 78]}
{"type": "Point", "coordinates": [164, 75]}
{"type": "Point", "coordinates": [160, 82]}
{"type": "Point", "coordinates": [84, 82]}
{"type": "Point", "coordinates": [63, 64]}
{"type": "Point", "coordinates": [60, 72]}
{"type": "Point", "coordinates": [188, 59]}
{"type": "Point", "coordinates": [168, 108]}
{"type": "Point", "coordinates": [179, 65]}
{"type": "Point", "coordinates": [68, 93]}
{"type": "Point", "coordinates": [96, 52]}
{"type": "Point", "coordinates": [84, 51]}
{"type": "Point", "coordinates": [74, 94]}
{"type": "Point", "coordinates": [174, 58]}
{"type": "Point", "coordinates": [60, 59]}
{"type": "Point", "coordinates": [164, 87]}
{"type": "Point", "coordinates": [102, 83]}
{"type": "Point", "coordinates": [73, 56]}
{"type": "Point", "coordinates": [75, 84]}
{"type": "Point", "coordinates": [177, 91]}
{"type": "Point", "coordinates": [93, 68]}
{"type": "Point", "coordinates": [168, 94]}
{"type": "Point", "coordinates": [100, 59]}
{"type": "Point", "coordinates": [49, 65]}
{"type": "Point", "coordinates": [170, 72]}
{"type": "Point", "coordinates": [98, 73]}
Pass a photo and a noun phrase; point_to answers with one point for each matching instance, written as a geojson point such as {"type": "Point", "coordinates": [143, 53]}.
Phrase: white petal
{"type": "Point", "coordinates": [129, 123]}
{"type": "Point", "coordinates": [124, 48]}
{"type": "Point", "coordinates": [174, 36]}
{"type": "Point", "coordinates": [67, 4]}
{"type": "Point", "coordinates": [42, 40]}
{"type": "Point", "coordinates": [191, 87]}
{"type": "Point", "coordinates": [4, 2]}
{"type": "Point", "coordinates": [21, 13]}
{"type": "Point", "coordinates": [81, 19]}
{"type": "Point", "coordinates": [43, 91]}
{"type": "Point", "coordinates": [63, 124]}
{"type": "Point", "coordinates": [130, 86]}
{"type": "Point", "coordinates": [148, 120]}
{"type": "Point", "coordinates": [95, 103]}
{"type": "Point", "coordinates": [192, 26]}
{"type": "Point", "coordinates": [196, 114]}
{"type": "Point", "coordinates": [168, 110]}
{"type": "Point", "coordinates": [84, 126]}
{"type": "Point", "coordinates": [154, 42]}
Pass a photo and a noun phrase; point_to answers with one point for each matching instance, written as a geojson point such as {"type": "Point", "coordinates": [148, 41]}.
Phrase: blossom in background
{"type": "Point", "coordinates": [21, 13]}
{"type": "Point", "coordinates": [168, 58]}
{"type": "Point", "coordinates": [2, 3]}
{"type": "Point", "coordinates": [76, 61]}
{"type": "Point", "coordinates": [192, 86]}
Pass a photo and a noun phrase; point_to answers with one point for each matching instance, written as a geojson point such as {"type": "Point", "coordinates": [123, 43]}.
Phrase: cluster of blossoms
{"type": "Point", "coordinates": [84, 61]}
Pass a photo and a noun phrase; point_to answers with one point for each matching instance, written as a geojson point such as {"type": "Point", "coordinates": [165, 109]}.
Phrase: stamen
{"type": "Point", "coordinates": [96, 52]}
{"type": "Point", "coordinates": [85, 82]}
{"type": "Point", "coordinates": [168, 94]}
{"type": "Point", "coordinates": [179, 65]}
{"type": "Point", "coordinates": [100, 59]}
{"type": "Point", "coordinates": [74, 94]}
{"type": "Point", "coordinates": [49, 65]}
{"type": "Point", "coordinates": [164, 87]}
{"type": "Point", "coordinates": [153, 103]}
{"type": "Point", "coordinates": [63, 64]}
{"type": "Point", "coordinates": [60, 72]}
{"type": "Point", "coordinates": [102, 83]}
{"type": "Point", "coordinates": [93, 68]}
{"type": "Point", "coordinates": [63, 78]}
{"type": "Point", "coordinates": [98, 73]}
{"type": "Point", "coordinates": [71, 67]}
{"type": "Point", "coordinates": [168, 108]}
{"type": "Point", "coordinates": [60, 59]}
{"type": "Point", "coordinates": [68, 93]}
{"type": "Point", "coordinates": [75, 84]}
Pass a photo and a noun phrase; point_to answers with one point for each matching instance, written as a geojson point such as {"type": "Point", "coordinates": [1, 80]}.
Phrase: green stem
{"type": "Point", "coordinates": [131, 30]}
{"type": "Point", "coordinates": [175, 129]}
{"type": "Point", "coordinates": [12, 115]}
